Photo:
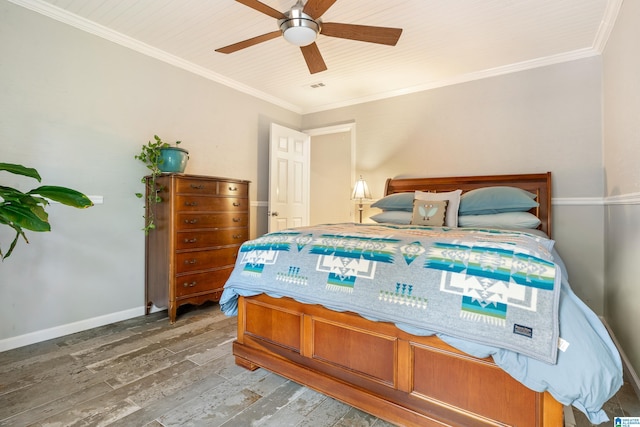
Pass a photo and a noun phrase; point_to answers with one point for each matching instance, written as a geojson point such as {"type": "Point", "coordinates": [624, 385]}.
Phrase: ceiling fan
{"type": "Point", "coordinates": [301, 25]}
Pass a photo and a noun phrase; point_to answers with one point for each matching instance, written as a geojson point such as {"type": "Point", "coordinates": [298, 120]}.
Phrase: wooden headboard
{"type": "Point", "coordinates": [539, 184]}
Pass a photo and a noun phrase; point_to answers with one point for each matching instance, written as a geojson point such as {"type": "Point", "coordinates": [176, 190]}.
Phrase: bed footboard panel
{"type": "Point", "coordinates": [378, 368]}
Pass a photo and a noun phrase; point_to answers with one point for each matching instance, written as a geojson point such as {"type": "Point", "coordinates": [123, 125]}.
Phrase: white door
{"type": "Point", "coordinates": [289, 160]}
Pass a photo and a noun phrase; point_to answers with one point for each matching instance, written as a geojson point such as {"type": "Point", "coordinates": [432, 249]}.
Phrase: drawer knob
{"type": "Point", "coordinates": [197, 187]}
{"type": "Point", "coordinates": [233, 188]}
{"type": "Point", "coordinates": [191, 203]}
{"type": "Point", "coordinates": [237, 236]}
{"type": "Point", "coordinates": [190, 261]}
{"type": "Point", "coordinates": [189, 285]}
{"type": "Point", "coordinates": [236, 204]}
{"type": "Point", "coordinates": [195, 239]}
{"type": "Point", "coordinates": [237, 219]}
{"type": "Point", "coordinates": [190, 221]}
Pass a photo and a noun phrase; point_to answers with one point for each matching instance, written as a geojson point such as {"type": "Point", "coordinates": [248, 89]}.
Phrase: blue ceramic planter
{"type": "Point", "coordinates": [174, 159]}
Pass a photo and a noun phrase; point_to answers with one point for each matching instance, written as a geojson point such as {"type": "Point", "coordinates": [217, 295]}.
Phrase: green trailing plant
{"type": "Point", "coordinates": [26, 211]}
{"type": "Point", "coordinates": [151, 156]}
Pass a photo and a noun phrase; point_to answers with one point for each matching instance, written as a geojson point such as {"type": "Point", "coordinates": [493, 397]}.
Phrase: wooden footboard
{"type": "Point", "coordinates": [402, 378]}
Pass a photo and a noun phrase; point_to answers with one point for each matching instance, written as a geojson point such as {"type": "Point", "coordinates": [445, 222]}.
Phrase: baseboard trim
{"type": "Point", "coordinates": [629, 373]}
{"type": "Point", "coordinates": [71, 328]}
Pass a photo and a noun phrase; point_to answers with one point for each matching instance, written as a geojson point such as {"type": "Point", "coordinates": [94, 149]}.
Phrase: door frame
{"type": "Point", "coordinates": [339, 128]}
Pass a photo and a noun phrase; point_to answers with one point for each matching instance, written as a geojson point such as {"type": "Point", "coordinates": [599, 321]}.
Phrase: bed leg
{"type": "Point", "coordinates": [240, 361]}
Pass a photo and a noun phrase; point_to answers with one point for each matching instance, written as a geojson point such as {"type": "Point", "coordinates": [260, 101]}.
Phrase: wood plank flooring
{"type": "Point", "coordinates": [146, 372]}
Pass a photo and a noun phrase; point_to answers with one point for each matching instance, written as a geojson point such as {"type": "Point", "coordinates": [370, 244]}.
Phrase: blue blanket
{"type": "Point", "coordinates": [499, 288]}
{"type": "Point", "coordinates": [588, 369]}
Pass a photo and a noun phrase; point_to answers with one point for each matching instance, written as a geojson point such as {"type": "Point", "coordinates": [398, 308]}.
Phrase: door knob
{"type": "Point", "coordinates": [273, 213]}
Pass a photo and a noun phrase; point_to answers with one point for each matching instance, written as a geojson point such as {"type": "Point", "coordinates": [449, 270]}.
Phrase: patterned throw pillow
{"type": "Point", "coordinates": [453, 199]}
{"type": "Point", "coordinates": [429, 212]}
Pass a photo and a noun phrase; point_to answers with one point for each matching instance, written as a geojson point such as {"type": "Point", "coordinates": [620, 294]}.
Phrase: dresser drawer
{"type": "Point", "coordinates": [207, 239]}
{"type": "Point", "coordinates": [187, 203]}
{"type": "Point", "coordinates": [204, 260]}
{"type": "Point", "coordinates": [233, 189]}
{"type": "Point", "coordinates": [201, 282]}
{"type": "Point", "coordinates": [186, 221]}
{"type": "Point", "coordinates": [196, 186]}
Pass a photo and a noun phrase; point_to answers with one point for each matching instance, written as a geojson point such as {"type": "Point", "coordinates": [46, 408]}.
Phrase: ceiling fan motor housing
{"type": "Point", "coordinates": [299, 28]}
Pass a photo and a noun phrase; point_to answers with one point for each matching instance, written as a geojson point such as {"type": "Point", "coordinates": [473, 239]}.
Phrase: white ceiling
{"type": "Point", "coordinates": [443, 42]}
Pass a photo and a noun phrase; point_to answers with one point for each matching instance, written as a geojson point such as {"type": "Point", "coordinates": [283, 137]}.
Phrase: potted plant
{"type": "Point", "coordinates": [158, 156]}
{"type": "Point", "coordinates": [26, 211]}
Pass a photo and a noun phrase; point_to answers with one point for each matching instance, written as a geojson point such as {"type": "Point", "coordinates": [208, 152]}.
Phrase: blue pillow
{"type": "Point", "coordinates": [394, 217]}
{"type": "Point", "coordinates": [492, 200]}
{"type": "Point", "coordinates": [396, 202]}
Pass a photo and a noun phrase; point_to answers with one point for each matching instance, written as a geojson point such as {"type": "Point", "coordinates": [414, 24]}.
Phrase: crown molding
{"type": "Point", "coordinates": [604, 31]}
{"type": "Point", "coordinates": [464, 78]}
{"type": "Point", "coordinates": [607, 24]}
{"type": "Point", "coordinates": [83, 24]}
{"type": "Point", "coordinates": [602, 36]}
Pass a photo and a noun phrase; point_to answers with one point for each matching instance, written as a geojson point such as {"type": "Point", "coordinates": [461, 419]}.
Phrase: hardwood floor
{"type": "Point", "coordinates": [146, 372]}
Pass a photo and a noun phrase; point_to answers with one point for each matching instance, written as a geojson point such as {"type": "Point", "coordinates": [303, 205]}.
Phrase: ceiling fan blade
{"type": "Point", "coordinates": [312, 56]}
{"type": "Point", "coordinates": [316, 8]}
{"type": "Point", "coordinates": [261, 7]}
{"type": "Point", "coordinates": [249, 42]}
{"type": "Point", "coordinates": [363, 33]}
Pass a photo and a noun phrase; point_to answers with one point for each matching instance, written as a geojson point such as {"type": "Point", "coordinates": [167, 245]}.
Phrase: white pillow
{"type": "Point", "coordinates": [453, 197]}
{"type": "Point", "coordinates": [393, 217]}
{"type": "Point", "coordinates": [500, 220]}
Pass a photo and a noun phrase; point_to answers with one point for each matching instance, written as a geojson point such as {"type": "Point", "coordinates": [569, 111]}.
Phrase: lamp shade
{"type": "Point", "coordinates": [361, 190]}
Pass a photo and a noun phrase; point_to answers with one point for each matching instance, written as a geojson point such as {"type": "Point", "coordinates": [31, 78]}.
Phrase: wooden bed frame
{"type": "Point", "coordinates": [402, 378]}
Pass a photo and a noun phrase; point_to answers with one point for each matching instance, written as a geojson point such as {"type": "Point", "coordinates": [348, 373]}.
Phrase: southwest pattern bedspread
{"type": "Point", "coordinates": [499, 288]}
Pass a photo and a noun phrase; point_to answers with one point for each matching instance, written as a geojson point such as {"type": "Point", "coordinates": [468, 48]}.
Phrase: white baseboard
{"type": "Point", "coordinates": [71, 328]}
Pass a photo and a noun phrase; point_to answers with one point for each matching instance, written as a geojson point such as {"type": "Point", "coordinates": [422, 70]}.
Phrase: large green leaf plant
{"type": "Point", "coordinates": [26, 211]}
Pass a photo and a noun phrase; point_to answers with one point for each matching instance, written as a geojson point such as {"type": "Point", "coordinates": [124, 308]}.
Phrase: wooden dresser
{"type": "Point", "coordinates": [200, 225]}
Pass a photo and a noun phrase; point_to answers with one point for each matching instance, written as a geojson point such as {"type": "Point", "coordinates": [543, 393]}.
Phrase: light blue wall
{"type": "Point", "coordinates": [622, 162]}
{"type": "Point", "coordinates": [78, 108]}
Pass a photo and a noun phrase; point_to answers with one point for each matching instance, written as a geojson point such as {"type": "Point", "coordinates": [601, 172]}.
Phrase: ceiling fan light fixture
{"type": "Point", "coordinates": [299, 28]}
{"type": "Point", "coordinates": [299, 35]}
